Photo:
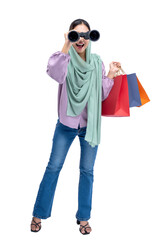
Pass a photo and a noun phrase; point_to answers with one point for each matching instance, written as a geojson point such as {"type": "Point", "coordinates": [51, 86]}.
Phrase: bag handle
{"type": "Point", "coordinates": [119, 72]}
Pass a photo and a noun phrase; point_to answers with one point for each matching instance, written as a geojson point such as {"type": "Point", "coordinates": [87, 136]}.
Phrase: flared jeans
{"type": "Point", "coordinates": [61, 142]}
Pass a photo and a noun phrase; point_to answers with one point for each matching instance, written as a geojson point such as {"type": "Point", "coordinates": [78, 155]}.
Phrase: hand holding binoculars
{"type": "Point", "coordinates": [74, 36]}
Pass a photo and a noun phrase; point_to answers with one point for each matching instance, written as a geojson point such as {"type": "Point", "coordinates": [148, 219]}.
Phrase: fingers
{"type": "Point", "coordinates": [66, 38]}
{"type": "Point", "coordinates": [116, 64]}
{"type": "Point", "coordinates": [66, 35]}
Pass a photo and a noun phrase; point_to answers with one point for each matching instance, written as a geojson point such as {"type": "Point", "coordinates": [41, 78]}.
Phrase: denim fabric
{"type": "Point", "coordinates": [62, 140]}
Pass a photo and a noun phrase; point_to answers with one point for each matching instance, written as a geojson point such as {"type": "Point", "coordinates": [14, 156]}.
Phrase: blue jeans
{"type": "Point", "coordinates": [62, 140]}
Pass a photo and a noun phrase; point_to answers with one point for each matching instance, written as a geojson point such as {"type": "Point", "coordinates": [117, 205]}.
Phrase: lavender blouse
{"type": "Point", "coordinates": [57, 69]}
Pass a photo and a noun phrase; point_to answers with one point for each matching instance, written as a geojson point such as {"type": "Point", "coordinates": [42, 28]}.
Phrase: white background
{"type": "Point", "coordinates": [126, 194]}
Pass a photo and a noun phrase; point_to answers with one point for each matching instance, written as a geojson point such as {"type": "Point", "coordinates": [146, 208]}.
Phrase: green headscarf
{"type": "Point", "coordinates": [84, 85]}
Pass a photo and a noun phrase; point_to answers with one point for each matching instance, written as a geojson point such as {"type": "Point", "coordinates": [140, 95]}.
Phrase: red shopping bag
{"type": "Point", "coordinates": [117, 103]}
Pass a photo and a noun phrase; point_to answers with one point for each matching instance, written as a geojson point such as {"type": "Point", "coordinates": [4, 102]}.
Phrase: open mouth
{"type": "Point", "coordinates": [80, 45]}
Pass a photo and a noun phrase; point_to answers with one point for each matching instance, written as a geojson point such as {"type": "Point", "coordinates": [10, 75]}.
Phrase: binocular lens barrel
{"type": "Point", "coordinates": [94, 35]}
{"type": "Point", "coordinates": [74, 36]}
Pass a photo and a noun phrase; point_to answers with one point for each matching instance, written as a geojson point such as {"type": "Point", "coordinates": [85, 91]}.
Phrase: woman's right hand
{"type": "Point", "coordinates": [67, 43]}
{"type": "Point", "coordinates": [66, 38]}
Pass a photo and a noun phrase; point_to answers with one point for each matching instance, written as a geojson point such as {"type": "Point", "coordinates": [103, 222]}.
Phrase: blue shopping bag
{"type": "Point", "coordinates": [134, 95]}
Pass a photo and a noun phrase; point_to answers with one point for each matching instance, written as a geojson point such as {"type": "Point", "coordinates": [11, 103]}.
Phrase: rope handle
{"type": "Point", "coordinates": [119, 72]}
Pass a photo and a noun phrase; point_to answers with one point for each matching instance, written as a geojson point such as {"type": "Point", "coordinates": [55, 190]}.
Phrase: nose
{"type": "Point", "coordinates": [81, 40]}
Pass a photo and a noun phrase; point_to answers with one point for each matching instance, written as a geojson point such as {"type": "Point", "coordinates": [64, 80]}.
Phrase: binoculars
{"type": "Point", "coordinates": [74, 36]}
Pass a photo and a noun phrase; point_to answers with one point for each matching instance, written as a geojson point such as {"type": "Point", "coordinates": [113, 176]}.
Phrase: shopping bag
{"type": "Point", "coordinates": [134, 95]}
{"type": "Point", "coordinates": [137, 95]}
{"type": "Point", "coordinates": [143, 95]}
{"type": "Point", "coordinates": [117, 103]}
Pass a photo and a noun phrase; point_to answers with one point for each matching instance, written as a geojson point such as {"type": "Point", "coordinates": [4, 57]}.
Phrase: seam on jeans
{"type": "Point", "coordinates": [82, 219]}
{"type": "Point", "coordinates": [38, 197]}
{"type": "Point", "coordinates": [41, 217]}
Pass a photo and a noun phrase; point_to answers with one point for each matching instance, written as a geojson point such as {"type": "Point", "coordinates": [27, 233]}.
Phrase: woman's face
{"type": "Point", "coordinates": [81, 45]}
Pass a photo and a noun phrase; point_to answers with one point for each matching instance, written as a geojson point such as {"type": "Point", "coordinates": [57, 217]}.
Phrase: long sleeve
{"type": "Point", "coordinates": [57, 66]}
{"type": "Point", "coordinates": [107, 84]}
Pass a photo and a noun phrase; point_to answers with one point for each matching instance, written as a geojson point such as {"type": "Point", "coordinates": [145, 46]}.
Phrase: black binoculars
{"type": "Point", "coordinates": [74, 36]}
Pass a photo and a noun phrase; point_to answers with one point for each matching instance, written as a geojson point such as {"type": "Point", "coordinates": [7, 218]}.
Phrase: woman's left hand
{"type": "Point", "coordinates": [113, 68]}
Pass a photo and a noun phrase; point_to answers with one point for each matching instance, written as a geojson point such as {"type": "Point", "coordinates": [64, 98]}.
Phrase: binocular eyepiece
{"type": "Point", "coordinates": [74, 36]}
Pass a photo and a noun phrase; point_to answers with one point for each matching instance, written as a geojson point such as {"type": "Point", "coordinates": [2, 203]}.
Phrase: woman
{"type": "Point", "coordinates": [83, 84]}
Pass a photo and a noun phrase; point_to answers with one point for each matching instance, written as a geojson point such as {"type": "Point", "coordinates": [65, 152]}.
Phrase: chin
{"type": "Point", "coordinates": [79, 51]}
